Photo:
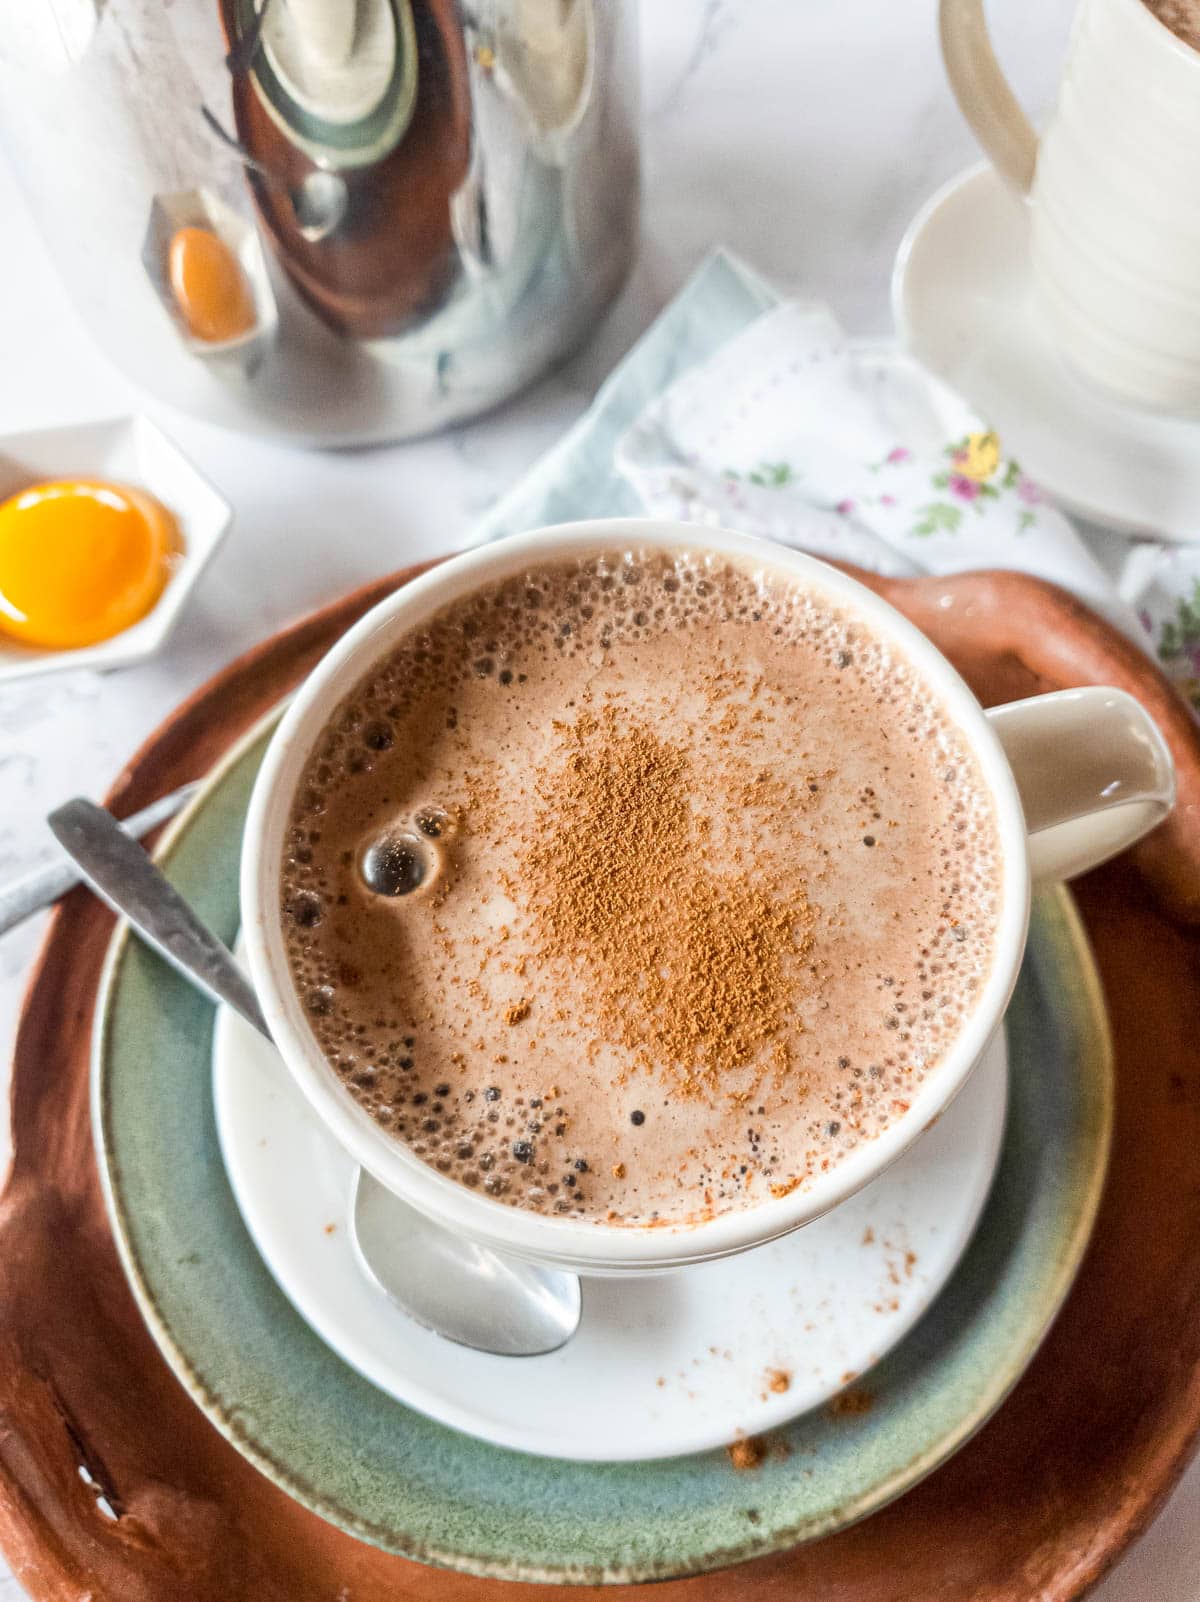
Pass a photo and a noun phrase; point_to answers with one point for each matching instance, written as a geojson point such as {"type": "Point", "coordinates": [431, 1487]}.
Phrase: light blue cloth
{"type": "Point", "coordinates": [578, 477]}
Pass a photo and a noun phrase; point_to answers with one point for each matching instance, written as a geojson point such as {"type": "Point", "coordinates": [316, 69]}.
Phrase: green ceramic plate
{"type": "Point", "coordinates": [393, 1477]}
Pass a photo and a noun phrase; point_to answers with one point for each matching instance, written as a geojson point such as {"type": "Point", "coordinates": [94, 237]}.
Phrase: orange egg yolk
{"type": "Point", "coordinates": [209, 286]}
{"type": "Point", "coordinates": [80, 560]}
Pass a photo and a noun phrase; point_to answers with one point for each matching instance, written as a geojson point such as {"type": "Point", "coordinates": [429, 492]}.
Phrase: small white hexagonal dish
{"type": "Point", "coordinates": [127, 450]}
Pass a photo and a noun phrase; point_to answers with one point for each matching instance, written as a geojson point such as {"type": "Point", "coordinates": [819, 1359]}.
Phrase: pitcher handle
{"type": "Point", "coordinates": [983, 93]}
{"type": "Point", "coordinates": [1093, 771]}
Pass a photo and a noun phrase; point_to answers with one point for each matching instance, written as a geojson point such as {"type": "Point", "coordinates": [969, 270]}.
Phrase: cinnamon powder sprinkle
{"type": "Point", "coordinates": [752, 1451]}
{"type": "Point", "coordinates": [518, 1012]}
{"type": "Point", "coordinates": [748, 1452]}
{"type": "Point", "coordinates": [851, 1403]}
{"type": "Point", "coordinates": [689, 969]}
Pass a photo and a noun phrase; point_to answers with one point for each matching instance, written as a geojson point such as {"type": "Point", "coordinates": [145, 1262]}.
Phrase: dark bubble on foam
{"type": "Point", "coordinates": [473, 1131]}
{"type": "Point", "coordinates": [395, 864]}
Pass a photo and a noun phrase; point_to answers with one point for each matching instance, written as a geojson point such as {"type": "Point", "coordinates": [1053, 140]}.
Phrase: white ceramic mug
{"type": "Point", "coordinates": [1112, 191]}
{"type": "Point", "coordinates": [1075, 777]}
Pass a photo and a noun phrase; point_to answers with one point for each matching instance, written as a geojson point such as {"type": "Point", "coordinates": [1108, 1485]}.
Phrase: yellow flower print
{"type": "Point", "coordinates": [978, 456]}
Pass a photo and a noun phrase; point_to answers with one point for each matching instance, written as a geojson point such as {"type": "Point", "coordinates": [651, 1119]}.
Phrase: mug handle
{"type": "Point", "coordinates": [983, 94]}
{"type": "Point", "coordinates": [1093, 771]}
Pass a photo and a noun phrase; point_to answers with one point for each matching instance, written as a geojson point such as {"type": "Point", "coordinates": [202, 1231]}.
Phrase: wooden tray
{"type": "Point", "coordinates": [113, 1486]}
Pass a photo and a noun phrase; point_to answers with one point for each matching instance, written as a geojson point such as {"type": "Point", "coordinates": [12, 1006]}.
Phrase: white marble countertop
{"type": "Point", "coordinates": [803, 133]}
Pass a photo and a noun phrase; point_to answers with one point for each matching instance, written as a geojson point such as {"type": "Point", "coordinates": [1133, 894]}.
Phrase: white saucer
{"type": "Point", "coordinates": [670, 1364]}
{"type": "Point", "coordinates": [962, 301]}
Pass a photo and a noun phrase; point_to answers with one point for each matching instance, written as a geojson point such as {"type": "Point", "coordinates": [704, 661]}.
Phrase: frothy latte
{"type": "Point", "coordinates": [639, 888]}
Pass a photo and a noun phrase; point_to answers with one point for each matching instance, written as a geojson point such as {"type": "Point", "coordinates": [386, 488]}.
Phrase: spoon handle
{"type": "Point", "coordinates": [236, 148]}
{"type": "Point", "coordinates": [121, 873]}
{"type": "Point", "coordinates": [40, 886]}
{"type": "Point", "coordinates": [241, 58]}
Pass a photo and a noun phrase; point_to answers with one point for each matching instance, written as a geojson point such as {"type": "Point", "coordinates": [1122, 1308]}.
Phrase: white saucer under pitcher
{"type": "Point", "coordinates": [963, 303]}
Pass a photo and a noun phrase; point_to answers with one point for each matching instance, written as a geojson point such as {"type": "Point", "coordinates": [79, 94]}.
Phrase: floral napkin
{"type": "Point", "coordinates": [740, 409]}
{"type": "Point", "coordinates": [792, 431]}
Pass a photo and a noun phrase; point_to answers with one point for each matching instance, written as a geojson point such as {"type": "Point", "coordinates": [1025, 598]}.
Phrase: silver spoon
{"type": "Point", "coordinates": [468, 1293]}
{"type": "Point", "coordinates": [319, 201]}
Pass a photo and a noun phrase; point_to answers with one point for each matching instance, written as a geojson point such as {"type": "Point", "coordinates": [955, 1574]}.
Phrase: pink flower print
{"type": "Point", "coordinates": [898, 454]}
{"type": "Point", "coordinates": [844, 508]}
{"type": "Point", "coordinates": [887, 500]}
{"type": "Point", "coordinates": [1029, 492]}
{"type": "Point", "coordinates": [1146, 621]}
{"type": "Point", "coordinates": [965, 488]}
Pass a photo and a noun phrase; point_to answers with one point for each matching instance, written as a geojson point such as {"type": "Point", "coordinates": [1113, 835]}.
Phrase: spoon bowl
{"type": "Point", "coordinates": [467, 1292]}
{"type": "Point", "coordinates": [320, 200]}
{"type": "Point", "coordinates": [319, 203]}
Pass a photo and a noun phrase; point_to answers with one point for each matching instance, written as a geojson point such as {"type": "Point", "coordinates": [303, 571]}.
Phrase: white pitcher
{"type": "Point", "coordinates": [1113, 190]}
